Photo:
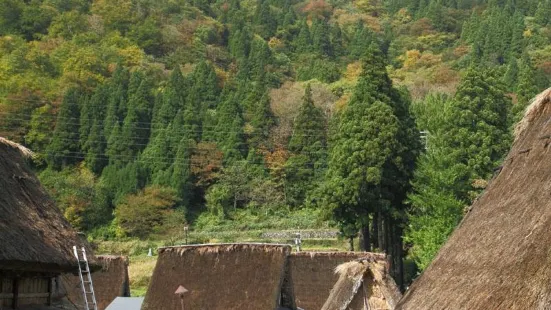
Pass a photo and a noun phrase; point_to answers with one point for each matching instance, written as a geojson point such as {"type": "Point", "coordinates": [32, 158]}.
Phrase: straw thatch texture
{"type": "Point", "coordinates": [363, 285]}
{"type": "Point", "coordinates": [499, 256]}
{"type": "Point", "coordinates": [313, 275]}
{"type": "Point", "coordinates": [219, 277]}
{"type": "Point", "coordinates": [34, 236]}
{"type": "Point", "coordinates": [110, 282]}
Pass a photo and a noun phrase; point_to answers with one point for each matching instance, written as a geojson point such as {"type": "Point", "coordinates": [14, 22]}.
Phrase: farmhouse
{"type": "Point", "coordinates": [220, 277]}
{"type": "Point", "coordinates": [498, 257]}
{"type": "Point", "coordinates": [36, 241]}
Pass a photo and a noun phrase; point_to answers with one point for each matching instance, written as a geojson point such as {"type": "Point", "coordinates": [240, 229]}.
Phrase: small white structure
{"type": "Point", "coordinates": [126, 303]}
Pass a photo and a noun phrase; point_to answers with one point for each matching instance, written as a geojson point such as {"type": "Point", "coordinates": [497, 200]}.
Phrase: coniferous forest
{"type": "Point", "coordinates": [383, 119]}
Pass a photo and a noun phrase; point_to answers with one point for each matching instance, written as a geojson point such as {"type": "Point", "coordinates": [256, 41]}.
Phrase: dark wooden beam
{"type": "Point", "coordinates": [50, 290]}
{"type": "Point", "coordinates": [24, 295]}
{"type": "Point", "coordinates": [15, 301]}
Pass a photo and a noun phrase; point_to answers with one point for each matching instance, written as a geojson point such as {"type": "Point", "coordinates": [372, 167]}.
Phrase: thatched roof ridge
{"type": "Point", "coordinates": [532, 111]}
{"type": "Point", "coordinates": [25, 152]}
{"type": "Point", "coordinates": [34, 235]}
{"type": "Point", "coordinates": [227, 246]}
{"type": "Point", "coordinates": [363, 281]}
{"type": "Point", "coordinates": [354, 255]}
{"type": "Point", "coordinates": [498, 258]}
{"type": "Point", "coordinates": [220, 276]}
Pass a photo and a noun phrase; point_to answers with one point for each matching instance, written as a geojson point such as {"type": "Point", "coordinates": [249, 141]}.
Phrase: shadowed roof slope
{"type": "Point", "coordinates": [34, 236]}
{"type": "Point", "coordinates": [219, 277]}
{"type": "Point", "coordinates": [313, 275]}
{"type": "Point", "coordinates": [499, 256]}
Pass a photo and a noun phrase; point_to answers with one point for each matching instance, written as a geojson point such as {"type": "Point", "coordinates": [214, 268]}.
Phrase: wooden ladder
{"type": "Point", "coordinates": [85, 279]}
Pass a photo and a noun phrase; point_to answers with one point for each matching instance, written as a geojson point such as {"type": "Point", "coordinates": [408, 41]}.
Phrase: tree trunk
{"type": "Point", "coordinates": [351, 242]}
{"type": "Point", "coordinates": [375, 232]}
{"type": "Point", "coordinates": [365, 243]}
{"type": "Point", "coordinates": [399, 258]}
{"type": "Point", "coordinates": [387, 224]}
{"type": "Point", "coordinates": [381, 233]}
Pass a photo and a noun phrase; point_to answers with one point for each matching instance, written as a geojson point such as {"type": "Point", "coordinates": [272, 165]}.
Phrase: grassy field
{"type": "Point", "coordinates": [141, 266]}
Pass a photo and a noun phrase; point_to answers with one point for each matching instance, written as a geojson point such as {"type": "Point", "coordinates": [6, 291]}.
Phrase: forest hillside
{"type": "Point", "coordinates": [383, 119]}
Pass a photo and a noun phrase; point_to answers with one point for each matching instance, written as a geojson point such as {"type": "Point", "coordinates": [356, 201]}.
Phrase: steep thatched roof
{"type": "Point", "coordinates": [219, 277]}
{"type": "Point", "coordinates": [313, 275]}
{"type": "Point", "coordinates": [34, 236]}
{"type": "Point", "coordinates": [110, 282]}
{"type": "Point", "coordinates": [363, 284]}
{"type": "Point", "coordinates": [498, 257]}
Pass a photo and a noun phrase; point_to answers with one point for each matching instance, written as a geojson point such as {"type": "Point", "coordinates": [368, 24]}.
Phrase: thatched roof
{"type": "Point", "coordinates": [110, 282]}
{"type": "Point", "coordinates": [363, 284]}
{"type": "Point", "coordinates": [219, 277]}
{"type": "Point", "coordinates": [313, 274]}
{"type": "Point", "coordinates": [34, 236]}
{"type": "Point", "coordinates": [499, 256]}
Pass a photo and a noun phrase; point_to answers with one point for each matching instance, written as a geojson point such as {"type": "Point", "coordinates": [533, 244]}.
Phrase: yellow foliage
{"type": "Point", "coordinates": [527, 33]}
{"type": "Point", "coordinates": [415, 59]}
{"type": "Point", "coordinates": [276, 44]}
{"type": "Point", "coordinates": [411, 58]}
{"type": "Point", "coordinates": [222, 76]}
{"type": "Point", "coordinates": [342, 102]}
{"type": "Point", "coordinates": [353, 71]}
{"type": "Point", "coordinates": [83, 67]}
{"type": "Point", "coordinates": [113, 11]}
{"type": "Point", "coordinates": [371, 6]}
{"type": "Point", "coordinates": [132, 55]}
{"type": "Point", "coordinates": [403, 16]}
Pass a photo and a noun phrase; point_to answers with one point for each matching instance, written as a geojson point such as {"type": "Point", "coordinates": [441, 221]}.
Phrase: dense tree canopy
{"type": "Point", "coordinates": [212, 111]}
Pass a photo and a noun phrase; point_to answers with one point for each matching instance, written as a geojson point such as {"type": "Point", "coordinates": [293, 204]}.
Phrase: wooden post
{"type": "Point", "coordinates": [15, 301]}
{"type": "Point", "coordinates": [50, 290]}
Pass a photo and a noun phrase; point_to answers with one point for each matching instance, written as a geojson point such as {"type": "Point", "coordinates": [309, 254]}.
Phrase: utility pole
{"type": "Point", "coordinates": [186, 228]}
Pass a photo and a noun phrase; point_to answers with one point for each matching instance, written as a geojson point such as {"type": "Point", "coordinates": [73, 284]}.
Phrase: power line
{"type": "Point", "coordinates": [155, 128]}
{"type": "Point", "coordinates": [187, 161]}
{"type": "Point", "coordinates": [242, 113]}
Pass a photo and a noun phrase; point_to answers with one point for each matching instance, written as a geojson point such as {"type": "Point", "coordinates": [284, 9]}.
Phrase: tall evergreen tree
{"type": "Point", "coordinates": [361, 40]}
{"type": "Point", "coordinates": [181, 177]}
{"type": "Point", "coordinates": [511, 75]}
{"type": "Point", "coordinates": [96, 159]}
{"type": "Point", "coordinates": [117, 100]}
{"type": "Point", "coordinates": [265, 19]}
{"type": "Point", "coordinates": [303, 42]}
{"type": "Point", "coordinates": [479, 129]}
{"type": "Point", "coordinates": [229, 133]}
{"type": "Point", "coordinates": [466, 145]}
{"type": "Point", "coordinates": [308, 147]}
{"type": "Point", "coordinates": [259, 58]}
{"type": "Point", "coordinates": [337, 40]}
{"type": "Point", "coordinates": [205, 90]}
{"type": "Point", "coordinates": [321, 38]}
{"type": "Point", "coordinates": [64, 149]}
{"type": "Point", "coordinates": [370, 136]}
